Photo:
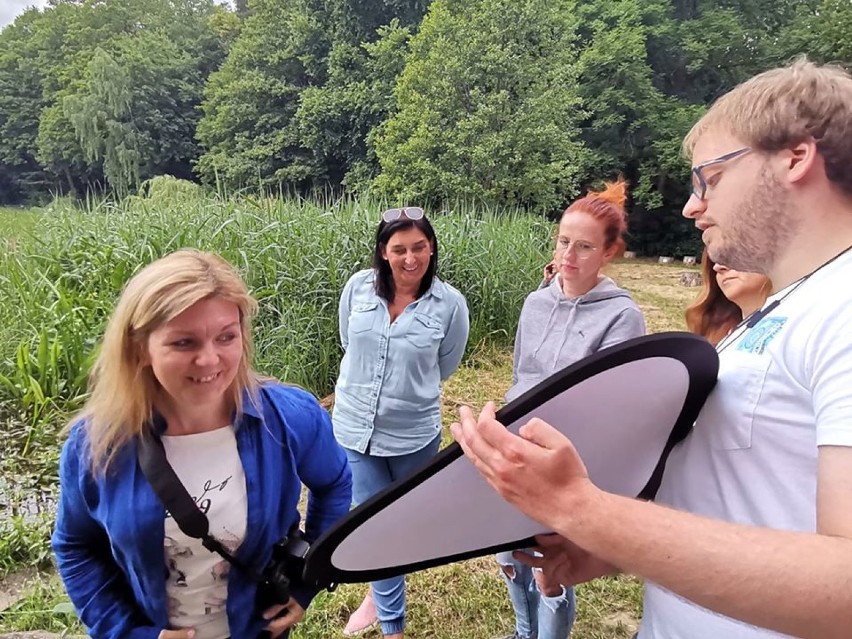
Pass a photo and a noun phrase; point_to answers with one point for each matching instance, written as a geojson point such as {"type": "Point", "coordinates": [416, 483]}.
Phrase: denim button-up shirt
{"type": "Point", "coordinates": [388, 395]}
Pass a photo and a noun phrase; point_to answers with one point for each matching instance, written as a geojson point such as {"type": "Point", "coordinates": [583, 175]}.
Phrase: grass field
{"type": "Point", "coordinates": [464, 600]}
{"type": "Point", "coordinates": [15, 222]}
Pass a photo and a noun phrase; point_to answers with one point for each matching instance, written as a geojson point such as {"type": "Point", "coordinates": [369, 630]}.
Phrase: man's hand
{"type": "Point", "coordinates": [295, 613]}
{"type": "Point", "coordinates": [562, 563]}
{"type": "Point", "coordinates": [538, 471]}
{"type": "Point", "coordinates": [183, 633]}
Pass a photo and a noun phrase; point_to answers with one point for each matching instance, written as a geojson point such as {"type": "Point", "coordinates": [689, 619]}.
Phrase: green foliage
{"type": "Point", "coordinates": [296, 256]}
{"type": "Point", "coordinates": [367, 55]}
{"type": "Point", "coordinates": [167, 188]}
{"type": "Point", "coordinates": [14, 223]}
{"type": "Point", "coordinates": [105, 88]}
{"type": "Point", "coordinates": [24, 540]}
{"type": "Point", "coordinates": [249, 130]}
{"type": "Point", "coordinates": [458, 601]}
{"type": "Point", "coordinates": [488, 107]}
{"type": "Point", "coordinates": [45, 607]}
{"type": "Point", "coordinates": [512, 103]}
{"type": "Point", "coordinates": [301, 91]}
{"type": "Point", "coordinates": [337, 118]}
{"type": "Point", "coordinates": [136, 111]}
{"type": "Point", "coordinates": [20, 103]}
{"type": "Point", "coordinates": [630, 126]}
{"type": "Point", "coordinates": [822, 30]}
{"type": "Point", "coordinates": [648, 70]}
{"type": "Point", "coordinates": [28, 480]}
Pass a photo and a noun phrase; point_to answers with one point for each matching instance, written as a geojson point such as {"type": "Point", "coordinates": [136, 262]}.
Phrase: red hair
{"type": "Point", "coordinates": [608, 207]}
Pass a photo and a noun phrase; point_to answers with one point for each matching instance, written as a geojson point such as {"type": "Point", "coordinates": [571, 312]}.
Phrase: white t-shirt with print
{"type": "Point", "coordinates": [784, 389]}
{"type": "Point", "coordinates": [208, 465]}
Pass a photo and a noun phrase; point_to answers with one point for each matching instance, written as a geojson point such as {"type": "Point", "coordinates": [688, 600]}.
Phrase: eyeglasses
{"type": "Point", "coordinates": [583, 250]}
{"type": "Point", "coordinates": [411, 212]}
{"type": "Point", "coordinates": [699, 184]}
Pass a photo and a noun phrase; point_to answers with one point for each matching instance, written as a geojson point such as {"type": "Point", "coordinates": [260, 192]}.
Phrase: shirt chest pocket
{"type": "Point", "coordinates": [362, 317]}
{"type": "Point", "coordinates": [424, 331]}
{"type": "Point", "coordinates": [730, 422]}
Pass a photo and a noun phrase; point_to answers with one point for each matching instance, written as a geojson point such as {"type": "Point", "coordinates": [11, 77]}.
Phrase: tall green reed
{"type": "Point", "coordinates": [60, 283]}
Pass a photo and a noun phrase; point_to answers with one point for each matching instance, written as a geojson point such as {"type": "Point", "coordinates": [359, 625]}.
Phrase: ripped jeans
{"type": "Point", "coordinates": [537, 616]}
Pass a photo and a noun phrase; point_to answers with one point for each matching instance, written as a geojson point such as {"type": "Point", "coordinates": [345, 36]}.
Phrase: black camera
{"type": "Point", "coordinates": [284, 570]}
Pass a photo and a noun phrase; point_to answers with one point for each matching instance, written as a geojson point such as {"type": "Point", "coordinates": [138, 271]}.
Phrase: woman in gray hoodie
{"type": "Point", "coordinates": [579, 312]}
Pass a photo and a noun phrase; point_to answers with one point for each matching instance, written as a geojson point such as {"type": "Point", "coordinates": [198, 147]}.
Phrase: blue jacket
{"type": "Point", "coordinates": [388, 394]}
{"type": "Point", "coordinates": [109, 531]}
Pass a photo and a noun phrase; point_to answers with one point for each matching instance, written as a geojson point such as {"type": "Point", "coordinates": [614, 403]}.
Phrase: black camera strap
{"type": "Point", "coordinates": [174, 496]}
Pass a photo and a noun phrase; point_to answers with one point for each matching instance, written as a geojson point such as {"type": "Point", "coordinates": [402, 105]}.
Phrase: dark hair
{"type": "Point", "coordinates": [712, 315]}
{"type": "Point", "coordinates": [384, 278]}
{"type": "Point", "coordinates": [607, 206]}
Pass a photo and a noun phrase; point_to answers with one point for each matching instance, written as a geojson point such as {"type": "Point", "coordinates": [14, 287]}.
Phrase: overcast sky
{"type": "Point", "coordinates": [9, 9]}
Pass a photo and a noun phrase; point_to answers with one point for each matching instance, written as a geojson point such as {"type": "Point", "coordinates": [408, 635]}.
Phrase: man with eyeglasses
{"type": "Point", "coordinates": [751, 537]}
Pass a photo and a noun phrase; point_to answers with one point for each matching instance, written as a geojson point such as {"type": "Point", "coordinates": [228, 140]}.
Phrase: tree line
{"type": "Point", "coordinates": [502, 102]}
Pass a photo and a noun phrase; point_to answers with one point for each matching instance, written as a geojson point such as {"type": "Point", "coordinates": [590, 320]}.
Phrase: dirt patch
{"type": "Point", "coordinates": [12, 589]}
{"type": "Point", "coordinates": [621, 620]}
{"type": "Point", "coordinates": [14, 586]}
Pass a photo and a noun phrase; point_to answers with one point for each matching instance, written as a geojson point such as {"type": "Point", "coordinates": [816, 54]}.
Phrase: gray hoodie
{"type": "Point", "coordinates": [554, 331]}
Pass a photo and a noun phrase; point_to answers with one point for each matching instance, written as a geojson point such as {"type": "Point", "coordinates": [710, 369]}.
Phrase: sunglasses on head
{"type": "Point", "coordinates": [411, 212]}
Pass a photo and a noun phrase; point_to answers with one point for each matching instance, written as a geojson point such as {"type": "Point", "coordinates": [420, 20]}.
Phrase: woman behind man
{"type": "Point", "coordinates": [175, 366]}
{"type": "Point", "coordinates": [578, 313]}
{"type": "Point", "coordinates": [727, 296]}
{"type": "Point", "coordinates": [403, 331]}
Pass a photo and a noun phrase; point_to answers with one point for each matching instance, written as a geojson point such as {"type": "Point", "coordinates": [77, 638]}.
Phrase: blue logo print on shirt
{"type": "Point", "coordinates": [757, 339]}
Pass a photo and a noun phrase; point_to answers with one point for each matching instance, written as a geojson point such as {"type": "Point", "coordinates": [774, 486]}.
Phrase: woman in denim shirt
{"type": "Point", "coordinates": [403, 331]}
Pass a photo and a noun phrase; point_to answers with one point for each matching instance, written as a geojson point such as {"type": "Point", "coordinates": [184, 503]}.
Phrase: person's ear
{"type": "Point", "coordinates": [610, 253]}
{"type": "Point", "coordinates": [800, 160]}
{"type": "Point", "coordinates": [143, 355]}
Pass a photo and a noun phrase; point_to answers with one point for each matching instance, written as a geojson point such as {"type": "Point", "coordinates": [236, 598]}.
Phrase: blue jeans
{"type": "Point", "coordinates": [371, 474]}
{"type": "Point", "coordinates": [537, 616]}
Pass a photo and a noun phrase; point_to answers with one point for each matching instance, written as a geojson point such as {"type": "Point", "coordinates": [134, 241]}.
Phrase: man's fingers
{"type": "Point", "coordinates": [543, 434]}
{"type": "Point", "coordinates": [546, 587]}
{"type": "Point", "coordinates": [465, 412]}
{"type": "Point", "coordinates": [464, 432]}
{"type": "Point", "coordinates": [528, 559]}
{"type": "Point", "coordinates": [485, 436]}
{"type": "Point", "coordinates": [476, 437]}
{"type": "Point", "coordinates": [488, 412]}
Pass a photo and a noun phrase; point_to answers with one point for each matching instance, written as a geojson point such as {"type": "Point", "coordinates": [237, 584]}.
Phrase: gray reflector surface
{"type": "Point", "coordinates": [619, 420]}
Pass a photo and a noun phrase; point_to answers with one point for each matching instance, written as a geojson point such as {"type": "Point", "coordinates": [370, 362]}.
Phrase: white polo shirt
{"type": "Point", "coordinates": [785, 388]}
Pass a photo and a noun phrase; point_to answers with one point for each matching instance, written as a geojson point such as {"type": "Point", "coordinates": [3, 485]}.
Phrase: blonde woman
{"type": "Point", "coordinates": [175, 364]}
